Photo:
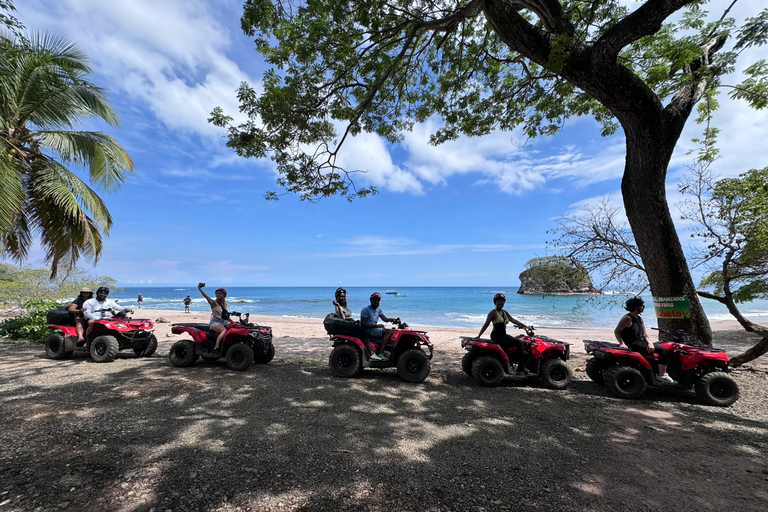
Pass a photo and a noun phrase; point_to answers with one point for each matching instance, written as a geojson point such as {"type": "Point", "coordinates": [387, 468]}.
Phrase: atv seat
{"type": "Point", "coordinates": [202, 327]}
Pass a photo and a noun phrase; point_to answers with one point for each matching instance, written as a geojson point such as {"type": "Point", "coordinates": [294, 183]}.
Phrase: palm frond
{"type": "Point", "coordinates": [103, 155]}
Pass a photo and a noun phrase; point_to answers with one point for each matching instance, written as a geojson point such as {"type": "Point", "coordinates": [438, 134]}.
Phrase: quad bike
{"type": "Point", "coordinates": [627, 373]}
{"type": "Point", "coordinates": [244, 343]}
{"type": "Point", "coordinates": [487, 362]}
{"type": "Point", "coordinates": [103, 339]}
{"type": "Point", "coordinates": [405, 351]}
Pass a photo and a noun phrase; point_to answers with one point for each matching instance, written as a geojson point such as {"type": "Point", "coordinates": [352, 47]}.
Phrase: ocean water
{"type": "Point", "coordinates": [461, 307]}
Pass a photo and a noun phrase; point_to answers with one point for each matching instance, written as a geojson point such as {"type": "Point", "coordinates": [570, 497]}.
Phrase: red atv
{"type": "Point", "coordinates": [244, 343]}
{"type": "Point", "coordinates": [103, 339]}
{"type": "Point", "coordinates": [627, 373]}
{"type": "Point", "coordinates": [405, 351]}
{"type": "Point", "coordinates": [487, 362]}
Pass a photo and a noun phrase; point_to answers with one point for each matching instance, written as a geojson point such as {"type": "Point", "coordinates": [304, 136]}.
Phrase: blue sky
{"type": "Point", "coordinates": [466, 213]}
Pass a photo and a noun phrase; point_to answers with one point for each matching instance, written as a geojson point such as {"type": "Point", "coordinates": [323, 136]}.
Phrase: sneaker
{"type": "Point", "coordinates": [666, 379]}
{"type": "Point", "coordinates": [377, 357]}
{"type": "Point", "coordinates": [523, 371]}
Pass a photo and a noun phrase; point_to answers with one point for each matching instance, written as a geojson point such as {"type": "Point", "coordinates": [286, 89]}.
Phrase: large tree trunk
{"type": "Point", "coordinates": [649, 149]}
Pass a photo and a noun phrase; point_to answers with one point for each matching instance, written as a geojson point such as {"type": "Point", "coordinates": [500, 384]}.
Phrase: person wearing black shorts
{"type": "Point", "coordinates": [500, 318]}
{"type": "Point", "coordinates": [631, 333]}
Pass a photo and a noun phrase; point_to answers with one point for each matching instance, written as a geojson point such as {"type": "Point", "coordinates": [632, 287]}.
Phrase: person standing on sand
{"type": "Point", "coordinates": [219, 314]}
{"type": "Point", "coordinates": [187, 302]}
{"type": "Point", "coordinates": [140, 300]}
{"type": "Point", "coordinates": [500, 318]}
{"type": "Point", "coordinates": [631, 334]}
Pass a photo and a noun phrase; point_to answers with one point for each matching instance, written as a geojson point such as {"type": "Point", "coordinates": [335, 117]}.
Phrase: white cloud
{"type": "Point", "coordinates": [384, 246]}
{"type": "Point", "coordinates": [170, 56]}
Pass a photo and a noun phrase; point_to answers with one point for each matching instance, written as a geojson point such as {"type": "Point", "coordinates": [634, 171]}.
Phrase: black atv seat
{"type": "Point", "coordinates": [202, 327]}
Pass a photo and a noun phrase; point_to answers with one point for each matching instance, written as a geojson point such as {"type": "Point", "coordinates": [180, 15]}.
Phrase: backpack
{"type": "Point", "coordinates": [59, 316]}
{"type": "Point", "coordinates": [335, 325]}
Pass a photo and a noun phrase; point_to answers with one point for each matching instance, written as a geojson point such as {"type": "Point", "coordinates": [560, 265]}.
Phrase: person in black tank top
{"type": "Point", "coordinates": [630, 333]}
{"type": "Point", "coordinates": [500, 318]}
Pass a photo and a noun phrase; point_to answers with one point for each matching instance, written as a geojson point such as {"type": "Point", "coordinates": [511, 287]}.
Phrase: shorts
{"type": "Point", "coordinates": [375, 333]}
{"type": "Point", "coordinates": [215, 321]}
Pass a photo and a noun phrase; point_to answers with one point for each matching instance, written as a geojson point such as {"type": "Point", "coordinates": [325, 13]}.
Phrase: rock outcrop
{"type": "Point", "coordinates": [554, 275]}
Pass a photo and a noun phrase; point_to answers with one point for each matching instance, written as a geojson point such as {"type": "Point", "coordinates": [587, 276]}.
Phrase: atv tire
{"type": "Point", "coordinates": [595, 370]}
{"type": "Point", "coordinates": [717, 388]}
{"type": "Point", "coordinates": [104, 348]}
{"type": "Point", "coordinates": [54, 347]}
{"type": "Point", "coordinates": [487, 371]}
{"type": "Point", "coordinates": [555, 374]}
{"type": "Point", "coordinates": [266, 356]}
{"type": "Point", "coordinates": [149, 348]}
{"type": "Point", "coordinates": [466, 364]}
{"type": "Point", "coordinates": [345, 360]}
{"type": "Point", "coordinates": [239, 357]}
{"type": "Point", "coordinates": [183, 353]}
{"type": "Point", "coordinates": [413, 365]}
{"type": "Point", "coordinates": [624, 381]}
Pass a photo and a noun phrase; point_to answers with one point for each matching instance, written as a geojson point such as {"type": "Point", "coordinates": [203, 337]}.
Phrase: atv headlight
{"type": "Point", "coordinates": [121, 326]}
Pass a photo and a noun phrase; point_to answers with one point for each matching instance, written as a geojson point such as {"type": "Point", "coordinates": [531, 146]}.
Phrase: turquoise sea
{"type": "Point", "coordinates": [429, 306]}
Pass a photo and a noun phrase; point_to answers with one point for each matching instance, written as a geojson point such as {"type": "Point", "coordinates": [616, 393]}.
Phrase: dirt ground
{"type": "Point", "coordinates": [140, 435]}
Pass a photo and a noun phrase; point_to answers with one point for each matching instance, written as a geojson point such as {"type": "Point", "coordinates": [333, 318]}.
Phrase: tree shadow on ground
{"type": "Point", "coordinates": [138, 433]}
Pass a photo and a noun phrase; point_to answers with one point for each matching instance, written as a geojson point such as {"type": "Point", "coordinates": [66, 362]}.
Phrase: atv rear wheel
{"type": "Point", "coordinates": [487, 371]}
{"type": "Point", "coordinates": [266, 356]}
{"type": "Point", "coordinates": [345, 360]}
{"type": "Point", "coordinates": [595, 370]}
{"type": "Point", "coordinates": [183, 353]}
{"type": "Point", "coordinates": [413, 365]}
{"type": "Point", "coordinates": [149, 348]}
{"type": "Point", "coordinates": [555, 374]}
{"type": "Point", "coordinates": [717, 388]}
{"type": "Point", "coordinates": [104, 348]}
{"type": "Point", "coordinates": [54, 346]}
{"type": "Point", "coordinates": [624, 381]}
{"type": "Point", "coordinates": [466, 364]}
{"type": "Point", "coordinates": [239, 357]}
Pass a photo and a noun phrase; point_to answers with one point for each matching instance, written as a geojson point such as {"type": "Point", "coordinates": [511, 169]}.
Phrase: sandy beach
{"type": "Point", "coordinates": [299, 339]}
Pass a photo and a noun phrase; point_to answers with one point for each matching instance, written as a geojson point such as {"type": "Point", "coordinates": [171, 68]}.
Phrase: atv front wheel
{"type": "Point", "coordinates": [466, 364]}
{"type": "Point", "coordinates": [717, 388]}
{"type": "Point", "coordinates": [104, 349]}
{"type": "Point", "coordinates": [555, 374]}
{"type": "Point", "coordinates": [183, 353]}
{"type": "Point", "coordinates": [266, 356]}
{"type": "Point", "coordinates": [54, 347]}
{"type": "Point", "coordinates": [239, 357]}
{"type": "Point", "coordinates": [487, 371]}
{"type": "Point", "coordinates": [624, 381]}
{"type": "Point", "coordinates": [595, 370]}
{"type": "Point", "coordinates": [413, 365]}
{"type": "Point", "coordinates": [345, 360]}
{"type": "Point", "coordinates": [149, 348]}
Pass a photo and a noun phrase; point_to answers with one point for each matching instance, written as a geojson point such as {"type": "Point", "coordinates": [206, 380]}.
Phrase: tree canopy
{"type": "Point", "coordinates": [44, 93]}
{"type": "Point", "coordinates": [339, 67]}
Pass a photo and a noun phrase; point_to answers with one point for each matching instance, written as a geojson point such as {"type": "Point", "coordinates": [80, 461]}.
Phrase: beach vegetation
{"type": "Point", "coordinates": [340, 68]}
{"type": "Point", "coordinates": [44, 94]}
{"type": "Point", "coordinates": [731, 216]}
{"type": "Point", "coordinates": [32, 324]}
{"type": "Point", "coordinates": [19, 285]}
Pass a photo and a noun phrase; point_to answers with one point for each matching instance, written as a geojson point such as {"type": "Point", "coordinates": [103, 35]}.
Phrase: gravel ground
{"type": "Point", "coordinates": [139, 435]}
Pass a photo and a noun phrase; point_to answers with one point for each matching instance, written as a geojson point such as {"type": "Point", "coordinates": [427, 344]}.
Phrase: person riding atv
{"type": "Point", "coordinates": [100, 307]}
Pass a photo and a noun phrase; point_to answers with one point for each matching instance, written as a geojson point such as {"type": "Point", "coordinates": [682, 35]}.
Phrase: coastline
{"type": "Point", "coordinates": [305, 338]}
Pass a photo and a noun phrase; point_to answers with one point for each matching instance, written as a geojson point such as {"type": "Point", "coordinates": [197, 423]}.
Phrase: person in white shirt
{"type": "Point", "coordinates": [100, 307]}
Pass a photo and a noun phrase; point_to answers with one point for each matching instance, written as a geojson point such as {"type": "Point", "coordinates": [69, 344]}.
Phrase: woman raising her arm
{"type": "Point", "coordinates": [219, 314]}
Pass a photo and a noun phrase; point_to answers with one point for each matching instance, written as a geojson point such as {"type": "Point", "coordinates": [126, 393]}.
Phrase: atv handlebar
{"type": "Point", "coordinates": [529, 329]}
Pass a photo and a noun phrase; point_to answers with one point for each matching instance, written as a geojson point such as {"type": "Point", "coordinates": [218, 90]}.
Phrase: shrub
{"type": "Point", "coordinates": [32, 326]}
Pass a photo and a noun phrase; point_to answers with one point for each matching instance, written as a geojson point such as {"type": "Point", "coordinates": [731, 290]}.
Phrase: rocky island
{"type": "Point", "coordinates": [555, 275]}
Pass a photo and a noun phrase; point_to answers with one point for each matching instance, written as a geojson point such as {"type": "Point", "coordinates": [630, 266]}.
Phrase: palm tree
{"type": "Point", "coordinates": [43, 94]}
